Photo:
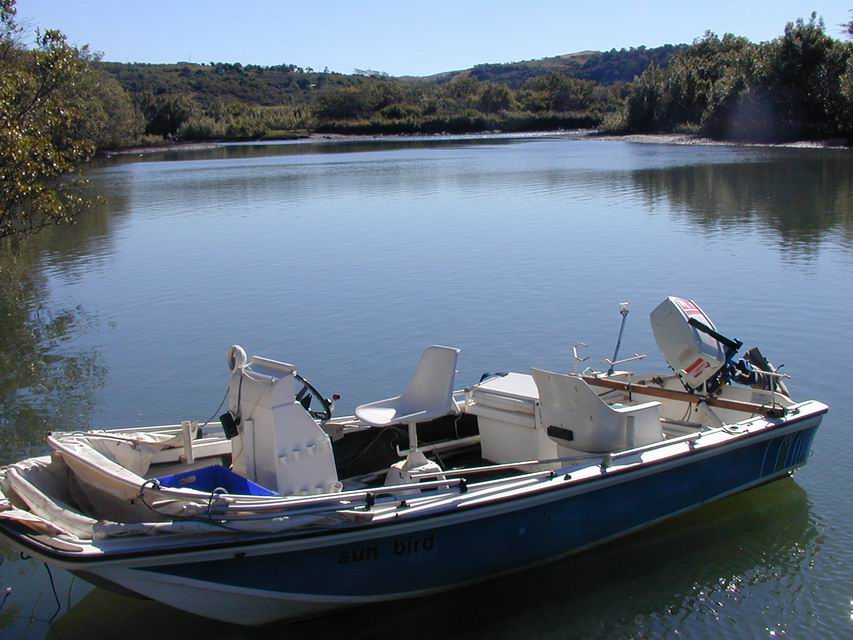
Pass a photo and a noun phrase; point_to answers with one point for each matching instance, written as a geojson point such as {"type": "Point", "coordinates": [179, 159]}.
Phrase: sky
{"type": "Point", "coordinates": [402, 37]}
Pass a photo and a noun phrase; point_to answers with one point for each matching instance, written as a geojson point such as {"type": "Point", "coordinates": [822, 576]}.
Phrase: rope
{"type": "Point", "coordinates": [55, 597]}
{"type": "Point", "coordinates": [218, 491]}
{"type": "Point", "coordinates": [218, 409]}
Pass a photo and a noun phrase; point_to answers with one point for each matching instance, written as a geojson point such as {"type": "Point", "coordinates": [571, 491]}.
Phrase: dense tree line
{"type": "Point", "coordinates": [216, 81]}
{"type": "Point", "coordinates": [799, 85]}
{"type": "Point", "coordinates": [233, 101]}
{"type": "Point", "coordinates": [463, 104]}
{"type": "Point", "coordinates": [219, 101]}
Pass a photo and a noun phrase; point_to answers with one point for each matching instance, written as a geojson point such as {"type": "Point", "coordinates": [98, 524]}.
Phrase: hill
{"type": "Point", "coordinates": [217, 81]}
{"type": "Point", "coordinates": [603, 67]}
{"type": "Point", "coordinates": [289, 84]}
{"type": "Point", "coordinates": [193, 101]}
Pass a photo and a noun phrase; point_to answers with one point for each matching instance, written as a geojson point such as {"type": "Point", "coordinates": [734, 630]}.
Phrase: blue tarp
{"type": "Point", "coordinates": [212, 478]}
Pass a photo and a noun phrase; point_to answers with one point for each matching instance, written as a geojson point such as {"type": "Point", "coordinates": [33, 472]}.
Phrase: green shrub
{"type": "Point", "coordinates": [201, 128]}
{"type": "Point", "coordinates": [614, 123]}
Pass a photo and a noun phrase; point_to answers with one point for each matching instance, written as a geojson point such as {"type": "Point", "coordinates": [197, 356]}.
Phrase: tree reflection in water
{"type": "Point", "coordinates": [802, 201]}
{"type": "Point", "coordinates": [45, 382]}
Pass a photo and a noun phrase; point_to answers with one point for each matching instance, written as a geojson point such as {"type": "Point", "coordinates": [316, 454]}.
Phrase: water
{"type": "Point", "coordinates": [348, 258]}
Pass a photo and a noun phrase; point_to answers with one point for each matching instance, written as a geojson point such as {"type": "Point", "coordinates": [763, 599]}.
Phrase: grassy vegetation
{"type": "Point", "coordinates": [464, 104]}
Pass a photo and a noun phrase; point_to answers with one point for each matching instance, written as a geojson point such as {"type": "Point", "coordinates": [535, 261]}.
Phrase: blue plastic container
{"type": "Point", "coordinates": [214, 477]}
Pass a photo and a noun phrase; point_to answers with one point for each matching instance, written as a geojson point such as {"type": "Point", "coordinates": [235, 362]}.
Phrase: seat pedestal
{"type": "Point", "coordinates": [416, 462]}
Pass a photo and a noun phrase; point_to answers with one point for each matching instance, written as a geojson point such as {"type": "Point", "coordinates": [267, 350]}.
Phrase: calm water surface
{"type": "Point", "coordinates": [347, 259]}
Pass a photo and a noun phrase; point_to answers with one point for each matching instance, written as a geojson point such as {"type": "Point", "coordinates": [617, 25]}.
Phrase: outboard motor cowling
{"type": "Point", "coordinates": [694, 355]}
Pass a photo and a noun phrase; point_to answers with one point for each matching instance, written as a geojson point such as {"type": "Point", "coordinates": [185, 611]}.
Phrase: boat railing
{"type": "Point", "coordinates": [689, 438]}
{"type": "Point", "coordinates": [609, 458]}
{"type": "Point", "coordinates": [506, 465]}
{"type": "Point", "coordinates": [605, 459]}
{"type": "Point", "coordinates": [775, 378]}
{"type": "Point", "coordinates": [346, 499]}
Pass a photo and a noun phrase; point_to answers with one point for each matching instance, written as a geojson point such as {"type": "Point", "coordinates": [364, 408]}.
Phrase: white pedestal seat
{"type": "Point", "coordinates": [428, 396]}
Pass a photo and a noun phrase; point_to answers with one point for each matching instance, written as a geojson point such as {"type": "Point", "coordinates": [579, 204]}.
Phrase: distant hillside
{"type": "Point", "coordinates": [208, 83]}
{"type": "Point", "coordinates": [289, 84]}
{"type": "Point", "coordinates": [607, 67]}
{"type": "Point", "coordinates": [804, 90]}
{"type": "Point", "coordinates": [192, 101]}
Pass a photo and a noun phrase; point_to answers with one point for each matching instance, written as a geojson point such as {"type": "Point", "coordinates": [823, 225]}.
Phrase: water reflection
{"type": "Point", "coordinates": [46, 382]}
{"type": "Point", "coordinates": [682, 574]}
{"type": "Point", "coordinates": [69, 250]}
{"type": "Point", "coordinates": [801, 197]}
{"type": "Point", "coordinates": [332, 145]}
{"type": "Point", "coordinates": [800, 194]}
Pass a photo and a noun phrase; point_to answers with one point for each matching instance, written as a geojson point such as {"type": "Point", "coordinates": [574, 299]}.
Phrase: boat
{"type": "Point", "coordinates": [282, 510]}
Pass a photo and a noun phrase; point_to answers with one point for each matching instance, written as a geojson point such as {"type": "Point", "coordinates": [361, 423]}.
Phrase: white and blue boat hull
{"type": "Point", "coordinates": [260, 582]}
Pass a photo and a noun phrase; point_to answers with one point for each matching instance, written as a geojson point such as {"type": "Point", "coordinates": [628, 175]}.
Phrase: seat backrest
{"type": "Point", "coordinates": [562, 395]}
{"type": "Point", "coordinates": [583, 421]}
{"type": "Point", "coordinates": [431, 386]}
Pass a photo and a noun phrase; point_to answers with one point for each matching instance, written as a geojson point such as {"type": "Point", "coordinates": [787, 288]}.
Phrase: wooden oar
{"type": "Point", "coordinates": [673, 394]}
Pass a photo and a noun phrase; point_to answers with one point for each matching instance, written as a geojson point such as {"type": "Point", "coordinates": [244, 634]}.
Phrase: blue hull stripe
{"type": "Point", "coordinates": [442, 556]}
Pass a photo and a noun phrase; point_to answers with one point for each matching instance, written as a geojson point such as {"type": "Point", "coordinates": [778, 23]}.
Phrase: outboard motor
{"type": "Point", "coordinates": [700, 356]}
{"type": "Point", "coordinates": [759, 367]}
{"type": "Point", "coordinates": [696, 356]}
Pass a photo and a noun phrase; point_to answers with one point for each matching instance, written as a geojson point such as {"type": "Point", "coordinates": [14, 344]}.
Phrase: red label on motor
{"type": "Point", "coordinates": [698, 366]}
{"type": "Point", "coordinates": [689, 307]}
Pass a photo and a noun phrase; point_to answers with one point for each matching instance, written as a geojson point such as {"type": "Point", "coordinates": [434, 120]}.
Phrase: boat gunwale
{"type": "Point", "coordinates": [242, 540]}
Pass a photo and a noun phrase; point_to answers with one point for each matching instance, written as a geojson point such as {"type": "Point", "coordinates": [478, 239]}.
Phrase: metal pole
{"type": "Point", "coordinates": [623, 309]}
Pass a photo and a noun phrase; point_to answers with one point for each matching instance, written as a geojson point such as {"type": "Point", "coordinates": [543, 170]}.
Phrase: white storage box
{"type": "Point", "coordinates": [506, 414]}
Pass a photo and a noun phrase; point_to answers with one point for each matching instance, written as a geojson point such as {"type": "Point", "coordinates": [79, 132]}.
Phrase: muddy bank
{"type": "Point", "coordinates": [577, 134]}
{"type": "Point", "coordinates": [159, 148]}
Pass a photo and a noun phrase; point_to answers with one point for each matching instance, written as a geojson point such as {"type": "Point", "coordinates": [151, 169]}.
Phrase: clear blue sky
{"type": "Point", "coordinates": [402, 37]}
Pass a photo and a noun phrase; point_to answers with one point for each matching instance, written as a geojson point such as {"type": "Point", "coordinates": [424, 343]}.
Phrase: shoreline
{"type": "Point", "coordinates": [319, 138]}
{"type": "Point", "coordinates": [695, 140]}
{"type": "Point", "coordinates": [576, 134]}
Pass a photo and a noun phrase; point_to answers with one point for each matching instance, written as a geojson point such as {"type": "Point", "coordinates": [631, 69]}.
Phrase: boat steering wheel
{"type": "Point", "coordinates": [307, 394]}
